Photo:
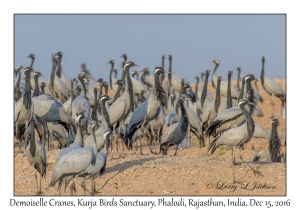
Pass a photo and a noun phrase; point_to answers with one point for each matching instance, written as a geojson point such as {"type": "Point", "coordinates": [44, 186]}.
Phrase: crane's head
{"type": "Point", "coordinates": [170, 57]}
{"type": "Point", "coordinates": [249, 77]}
{"type": "Point", "coordinates": [275, 122]}
{"type": "Point", "coordinates": [99, 80]}
{"type": "Point", "coordinates": [172, 95]}
{"type": "Point", "coordinates": [107, 136]}
{"type": "Point", "coordinates": [263, 58]}
{"type": "Point", "coordinates": [244, 102]}
{"type": "Point", "coordinates": [104, 98]}
{"type": "Point", "coordinates": [111, 62]}
{"type": "Point", "coordinates": [134, 73]}
{"type": "Point", "coordinates": [220, 78]}
{"type": "Point", "coordinates": [84, 76]}
{"type": "Point", "coordinates": [159, 70]}
{"type": "Point", "coordinates": [124, 56]}
{"type": "Point", "coordinates": [93, 124]}
{"type": "Point", "coordinates": [27, 71]}
{"type": "Point", "coordinates": [31, 56]}
{"type": "Point", "coordinates": [145, 71]}
{"type": "Point", "coordinates": [230, 73]}
{"type": "Point", "coordinates": [215, 61]}
{"type": "Point", "coordinates": [95, 90]}
{"type": "Point", "coordinates": [19, 67]}
{"type": "Point", "coordinates": [238, 69]}
{"type": "Point", "coordinates": [43, 84]}
{"type": "Point", "coordinates": [37, 74]}
{"type": "Point", "coordinates": [79, 116]}
{"type": "Point", "coordinates": [197, 78]}
{"type": "Point", "coordinates": [78, 87]}
{"type": "Point", "coordinates": [129, 64]}
{"type": "Point", "coordinates": [59, 54]}
{"type": "Point", "coordinates": [119, 82]}
{"type": "Point", "coordinates": [163, 55]}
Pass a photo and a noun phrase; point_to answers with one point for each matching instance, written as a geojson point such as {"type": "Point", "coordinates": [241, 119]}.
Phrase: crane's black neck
{"type": "Point", "coordinates": [32, 61]}
{"type": "Point", "coordinates": [250, 96]}
{"type": "Point", "coordinates": [143, 78]}
{"type": "Point", "coordinates": [181, 90]}
{"type": "Point", "coordinates": [36, 91]}
{"type": "Point", "coordinates": [94, 112]}
{"type": "Point", "coordinates": [170, 72]}
{"type": "Point", "coordinates": [249, 121]}
{"type": "Point", "coordinates": [52, 74]}
{"type": "Point", "coordinates": [159, 91]}
{"type": "Point", "coordinates": [204, 90]}
{"type": "Point", "coordinates": [43, 89]}
{"type": "Point", "coordinates": [196, 88]}
{"type": "Point", "coordinates": [32, 147]}
{"type": "Point", "coordinates": [239, 78]}
{"type": "Point", "coordinates": [184, 120]}
{"type": "Point", "coordinates": [128, 87]}
{"type": "Point", "coordinates": [110, 75]}
{"type": "Point", "coordinates": [105, 113]}
{"type": "Point", "coordinates": [218, 96]}
{"type": "Point", "coordinates": [214, 76]}
{"type": "Point", "coordinates": [242, 90]}
{"type": "Point", "coordinates": [162, 76]}
{"type": "Point", "coordinates": [59, 69]}
{"type": "Point", "coordinates": [27, 93]}
{"type": "Point", "coordinates": [229, 100]}
{"type": "Point", "coordinates": [83, 85]}
{"type": "Point", "coordinates": [262, 73]}
{"type": "Point", "coordinates": [117, 94]}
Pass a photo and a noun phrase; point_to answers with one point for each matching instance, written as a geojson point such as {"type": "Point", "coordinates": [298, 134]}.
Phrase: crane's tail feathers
{"type": "Point", "coordinates": [213, 145]}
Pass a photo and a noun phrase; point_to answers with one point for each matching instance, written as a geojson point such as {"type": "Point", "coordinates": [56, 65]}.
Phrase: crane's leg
{"type": "Point", "coordinates": [40, 184]}
{"type": "Point", "coordinates": [233, 155]}
{"type": "Point", "coordinates": [37, 187]}
{"type": "Point", "coordinates": [59, 187]}
{"type": "Point", "coordinates": [176, 149]}
{"type": "Point", "coordinates": [83, 186]}
{"type": "Point", "coordinates": [273, 104]}
{"type": "Point", "coordinates": [72, 187]}
{"type": "Point", "coordinates": [93, 187]}
{"type": "Point", "coordinates": [141, 139]}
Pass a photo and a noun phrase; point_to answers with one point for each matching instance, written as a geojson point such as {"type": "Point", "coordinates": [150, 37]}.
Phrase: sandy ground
{"type": "Point", "coordinates": [192, 172]}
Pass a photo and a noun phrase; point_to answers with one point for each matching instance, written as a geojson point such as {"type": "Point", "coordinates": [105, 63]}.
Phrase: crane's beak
{"type": "Point", "coordinates": [136, 65]}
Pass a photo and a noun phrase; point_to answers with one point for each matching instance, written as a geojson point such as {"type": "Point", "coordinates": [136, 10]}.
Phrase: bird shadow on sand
{"type": "Point", "coordinates": [125, 165]}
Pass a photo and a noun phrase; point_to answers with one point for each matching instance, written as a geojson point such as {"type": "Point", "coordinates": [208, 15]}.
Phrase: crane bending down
{"type": "Point", "coordinates": [236, 136]}
{"type": "Point", "coordinates": [175, 133]}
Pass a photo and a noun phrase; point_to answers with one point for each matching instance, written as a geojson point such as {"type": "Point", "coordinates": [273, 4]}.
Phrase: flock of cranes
{"type": "Point", "coordinates": [85, 121]}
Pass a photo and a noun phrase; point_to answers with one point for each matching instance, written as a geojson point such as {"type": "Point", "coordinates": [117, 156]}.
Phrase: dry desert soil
{"type": "Point", "coordinates": [192, 172]}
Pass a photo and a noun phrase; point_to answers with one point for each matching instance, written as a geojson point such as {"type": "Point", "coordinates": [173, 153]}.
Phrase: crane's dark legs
{"type": "Point", "coordinates": [141, 145]}
{"type": "Point", "coordinates": [37, 188]}
{"type": "Point", "coordinates": [59, 187]}
{"type": "Point", "coordinates": [176, 150]}
{"type": "Point", "coordinates": [93, 187]}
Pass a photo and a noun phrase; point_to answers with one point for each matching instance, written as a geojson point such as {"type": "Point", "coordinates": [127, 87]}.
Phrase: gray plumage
{"type": "Point", "coordinates": [175, 81]}
{"type": "Point", "coordinates": [204, 98]}
{"type": "Point", "coordinates": [78, 142]}
{"type": "Point", "coordinates": [236, 136]}
{"type": "Point", "coordinates": [36, 154]}
{"type": "Point", "coordinates": [261, 132]}
{"type": "Point", "coordinates": [73, 163]}
{"type": "Point", "coordinates": [146, 78]}
{"type": "Point", "coordinates": [121, 108]}
{"type": "Point", "coordinates": [60, 73]}
{"type": "Point", "coordinates": [96, 170]}
{"type": "Point", "coordinates": [81, 104]}
{"type": "Point", "coordinates": [232, 117]}
{"type": "Point", "coordinates": [228, 102]}
{"type": "Point", "coordinates": [223, 87]}
{"type": "Point", "coordinates": [174, 134]}
{"type": "Point", "coordinates": [271, 87]}
{"type": "Point", "coordinates": [149, 109]}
